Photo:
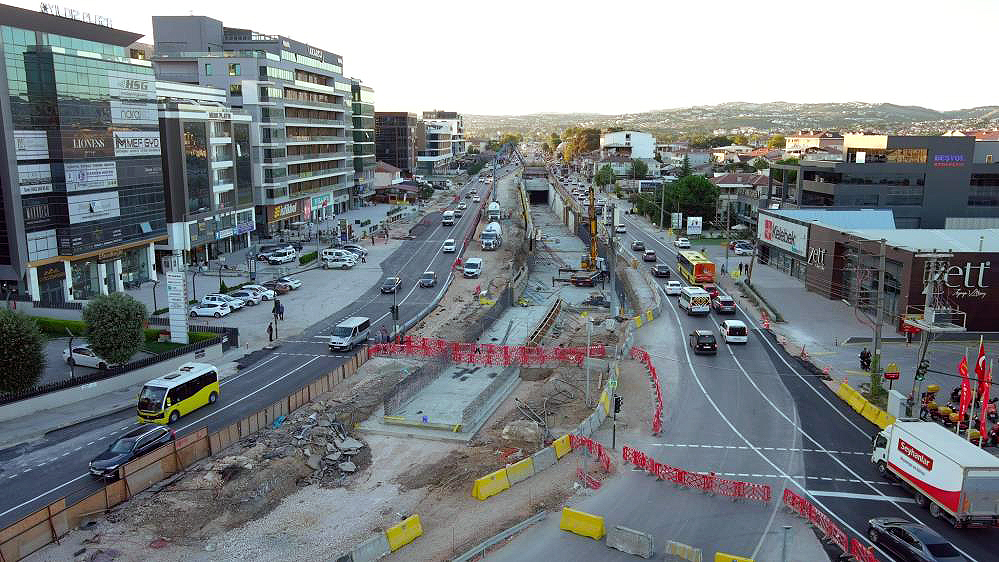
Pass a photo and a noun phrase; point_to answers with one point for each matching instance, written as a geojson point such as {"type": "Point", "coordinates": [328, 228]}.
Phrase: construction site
{"type": "Point", "coordinates": [503, 366]}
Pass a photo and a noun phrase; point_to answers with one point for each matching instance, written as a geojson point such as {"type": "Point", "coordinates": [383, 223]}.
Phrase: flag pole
{"type": "Point", "coordinates": [971, 416]}
{"type": "Point", "coordinates": [985, 406]}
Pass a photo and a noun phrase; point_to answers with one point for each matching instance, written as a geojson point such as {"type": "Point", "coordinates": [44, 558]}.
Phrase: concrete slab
{"type": "Point", "coordinates": [443, 400]}
{"type": "Point", "coordinates": [630, 541]}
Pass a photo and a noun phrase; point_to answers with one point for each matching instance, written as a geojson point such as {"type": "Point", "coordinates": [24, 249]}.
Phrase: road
{"type": "Point", "coordinates": [38, 473]}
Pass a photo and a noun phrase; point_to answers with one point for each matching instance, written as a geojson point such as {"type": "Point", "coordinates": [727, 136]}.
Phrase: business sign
{"type": "Point", "coordinates": [676, 220]}
{"type": "Point", "coordinates": [220, 115]}
{"type": "Point", "coordinates": [694, 225]}
{"type": "Point", "coordinates": [966, 280]}
{"type": "Point", "coordinates": [948, 160]}
{"type": "Point", "coordinates": [176, 285]}
{"type": "Point", "coordinates": [70, 13]}
{"type": "Point", "coordinates": [34, 178]}
{"type": "Point", "coordinates": [134, 113]}
{"type": "Point", "coordinates": [817, 257]}
{"type": "Point", "coordinates": [131, 86]}
{"type": "Point", "coordinates": [84, 176]}
{"type": "Point", "coordinates": [783, 234]}
{"type": "Point", "coordinates": [93, 207]}
{"type": "Point", "coordinates": [307, 208]}
{"type": "Point", "coordinates": [31, 145]}
{"type": "Point", "coordinates": [136, 143]}
{"type": "Point", "coordinates": [321, 201]}
{"type": "Point", "coordinates": [244, 227]}
{"type": "Point", "coordinates": [51, 272]}
{"type": "Point", "coordinates": [140, 171]}
{"type": "Point", "coordinates": [279, 212]}
{"type": "Point", "coordinates": [921, 458]}
{"type": "Point", "coordinates": [87, 143]}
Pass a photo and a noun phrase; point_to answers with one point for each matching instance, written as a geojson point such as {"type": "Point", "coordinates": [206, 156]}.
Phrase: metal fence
{"type": "Point", "coordinates": [403, 391]}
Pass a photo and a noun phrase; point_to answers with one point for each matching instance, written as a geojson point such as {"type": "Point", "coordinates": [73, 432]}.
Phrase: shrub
{"type": "Point", "coordinates": [22, 359]}
{"type": "Point", "coordinates": [307, 258]}
{"type": "Point", "coordinates": [56, 327]}
{"type": "Point", "coordinates": [115, 325]}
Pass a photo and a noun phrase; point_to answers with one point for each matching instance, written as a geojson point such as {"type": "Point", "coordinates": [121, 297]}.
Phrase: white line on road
{"type": "Point", "coordinates": [245, 371]}
{"type": "Point", "coordinates": [743, 447]}
{"type": "Point", "coordinates": [42, 495]}
{"type": "Point", "coordinates": [91, 443]}
{"type": "Point", "coordinates": [853, 496]}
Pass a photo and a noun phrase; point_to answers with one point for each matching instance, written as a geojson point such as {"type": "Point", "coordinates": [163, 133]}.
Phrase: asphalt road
{"type": "Point", "coordinates": [38, 473]}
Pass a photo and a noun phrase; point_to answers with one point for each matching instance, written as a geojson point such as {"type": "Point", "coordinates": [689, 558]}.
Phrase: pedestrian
{"type": "Point", "coordinates": [363, 259]}
{"type": "Point", "coordinates": [372, 238]}
{"type": "Point", "coordinates": [270, 331]}
{"type": "Point", "coordinates": [908, 338]}
{"type": "Point", "coordinates": [281, 311]}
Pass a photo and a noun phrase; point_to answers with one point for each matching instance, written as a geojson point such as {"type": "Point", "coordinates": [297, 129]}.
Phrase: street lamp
{"type": "Point", "coordinates": [155, 283]}
{"type": "Point", "coordinates": [72, 373]}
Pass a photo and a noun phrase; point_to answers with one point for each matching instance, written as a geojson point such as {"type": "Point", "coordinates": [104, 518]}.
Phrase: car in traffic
{"type": "Point", "coordinates": [218, 298]}
{"type": "Point", "coordinates": [128, 447]}
{"type": "Point", "coordinates": [620, 229]}
{"type": "Point", "coordinates": [703, 341]}
{"type": "Point", "coordinates": [743, 250]}
{"type": "Point", "coordinates": [462, 206]}
{"type": "Point", "coordinates": [638, 245]}
{"type": "Point", "coordinates": [449, 246]}
{"type": "Point", "coordinates": [711, 289]}
{"type": "Point", "coordinates": [649, 255]}
{"type": "Point", "coordinates": [83, 356]}
{"type": "Point", "coordinates": [391, 284]}
{"type": "Point", "coordinates": [284, 255]}
{"type": "Point", "coordinates": [292, 282]}
{"type": "Point", "coordinates": [736, 243]}
{"type": "Point", "coordinates": [215, 309]}
{"type": "Point", "coordinates": [907, 541]}
{"type": "Point", "coordinates": [249, 298]}
{"type": "Point", "coordinates": [681, 243]}
{"type": "Point", "coordinates": [734, 331]}
{"type": "Point", "coordinates": [279, 287]}
{"type": "Point", "coordinates": [660, 270]}
{"type": "Point", "coordinates": [673, 287]}
{"type": "Point", "coordinates": [723, 304]}
{"type": "Point", "coordinates": [476, 199]}
{"type": "Point", "coordinates": [428, 279]}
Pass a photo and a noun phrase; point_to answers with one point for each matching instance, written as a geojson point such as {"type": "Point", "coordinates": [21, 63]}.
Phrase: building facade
{"type": "Point", "coordinates": [363, 109]}
{"type": "Point", "coordinates": [395, 139]}
{"type": "Point", "coordinates": [433, 147]}
{"type": "Point", "coordinates": [456, 123]}
{"type": "Point", "coordinates": [81, 170]}
{"type": "Point", "coordinates": [300, 104]}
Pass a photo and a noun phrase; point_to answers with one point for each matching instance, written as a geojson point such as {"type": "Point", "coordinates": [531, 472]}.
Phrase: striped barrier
{"type": "Point", "coordinates": [657, 416]}
{"type": "Point", "coordinates": [830, 531]}
{"type": "Point", "coordinates": [684, 551]}
{"type": "Point", "coordinates": [707, 483]}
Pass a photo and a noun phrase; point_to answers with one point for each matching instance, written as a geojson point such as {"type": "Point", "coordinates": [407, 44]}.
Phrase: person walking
{"type": "Point", "coordinates": [363, 259]}
{"type": "Point", "coordinates": [281, 311]}
{"type": "Point", "coordinates": [270, 331]}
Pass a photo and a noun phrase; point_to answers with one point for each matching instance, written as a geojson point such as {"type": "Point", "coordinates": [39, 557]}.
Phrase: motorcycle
{"type": "Point", "coordinates": [990, 411]}
{"type": "Point", "coordinates": [955, 395]}
{"type": "Point", "coordinates": [865, 362]}
{"type": "Point", "coordinates": [993, 437]}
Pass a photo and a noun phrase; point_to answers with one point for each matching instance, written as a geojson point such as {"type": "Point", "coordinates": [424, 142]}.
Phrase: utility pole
{"type": "Point", "coordinates": [878, 318]}
{"type": "Point", "coordinates": [662, 209]}
{"type": "Point", "coordinates": [611, 260]}
{"type": "Point", "coordinates": [924, 341]}
{"type": "Point", "coordinates": [728, 236]}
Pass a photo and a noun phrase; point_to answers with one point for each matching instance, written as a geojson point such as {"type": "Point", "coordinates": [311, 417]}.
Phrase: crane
{"type": "Point", "coordinates": [589, 262]}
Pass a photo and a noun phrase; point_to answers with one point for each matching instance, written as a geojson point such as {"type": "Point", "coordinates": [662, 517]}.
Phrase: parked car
{"type": "Point", "coordinates": [911, 541]}
{"type": "Point", "coordinates": [130, 446]}
{"type": "Point", "coordinates": [428, 279]}
{"type": "Point", "coordinates": [472, 268]}
{"type": "Point", "coordinates": [449, 246]}
{"type": "Point", "coordinates": [218, 298]}
{"type": "Point", "coordinates": [84, 356]}
{"type": "Point", "coordinates": [391, 284]}
{"type": "Point", "coordinates": [218, 310]}
{"type": "Point", "coordinates": [284, 255]}
{"type": "Point", "coordinates": [681, 243]}
{"type": "Point", "coordinates": [638, 245]}
{"type": "Point", "coordinates": [743, 250]}
{"type": "Point", "coordinates": [703, 341]}
{"type": "Point", "coordinates": [723, 304]}
{"type": "Point", "coordinates": [248, 297]}
{"type": "Point", "coordinates": [265, 293]}
{"type": "Point", "coordinates": [292, 282]}
{"type": "Point", "coordinates": [736, 243]}
{"type": "Point", "coordinates": [279, 287]}
{"type": "Point", "coordinates": [339, 262]}
{"type": "Point", "coordinates": [267, 250]}
{"type": "Point", "coordinates": [354, 248]}
{"type": "Point", "coordinates": [649, 255]}
{"type": "Point", "coordinates": [476, 199]}
{"type": "Point", "coordinates": [672, 287]}
{"type": "Point", "coordinates": [661, 270]}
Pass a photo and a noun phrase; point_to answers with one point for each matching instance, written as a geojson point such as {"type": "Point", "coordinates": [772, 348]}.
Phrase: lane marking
{"type": "Point", "coordinates": [245, 371]}
{"type": "Point", "coordinates": [853, 496]}
{"type": "Point", "coordinates": [42, 495]}
{"type": "Point", "coordinates": [743, 447]}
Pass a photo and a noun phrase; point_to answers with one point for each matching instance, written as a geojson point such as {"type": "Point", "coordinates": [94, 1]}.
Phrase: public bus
{"type": "Point", "coordinates": [695, 268]}
{"type": "Point", "coordinates": [165, 399]}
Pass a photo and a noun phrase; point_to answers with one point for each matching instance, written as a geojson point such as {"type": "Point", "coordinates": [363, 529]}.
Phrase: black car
{"type": "Point", "coordinates": [391, 284]}
{"type": "Point", "coordinates": [130, 446]}
{"type": "Point", "coordinates": [428, 279]}
{"type": "Point", "coordinates": [911, 541]}
{"type": "Point", "coordinates": [703, 341]}
{"type": "Point", "coordinates": [660, 270]}
{"type": "Point", "coordinates": [638, 246]}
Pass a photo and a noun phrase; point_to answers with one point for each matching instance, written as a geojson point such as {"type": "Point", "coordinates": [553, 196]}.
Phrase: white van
{"type": "Point", "coordinates": [448, 218]}
{"type": "Point", "coordinates": [734, 331]}
{"type": "Point", "coordinates": [695, 300]}
{"type": "Point", "coordinates": [333, 253]}
{"type": "Point", "coordinates": [473, 267]}
{"type": "Point", "coordinates": [349, 333]}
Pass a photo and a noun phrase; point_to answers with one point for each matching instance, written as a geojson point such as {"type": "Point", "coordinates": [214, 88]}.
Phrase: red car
{"type": "Point", "coordinates": [712, 289]}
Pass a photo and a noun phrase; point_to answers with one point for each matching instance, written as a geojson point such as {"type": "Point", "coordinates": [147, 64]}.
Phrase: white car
{"type": "Point", "coordinates": [210, 309]}
{"type": "Point", "coordinates": [620, 229]}
{"type": "Point", "coordinates": [681, 243]}
{"type": "Point", "coordinates": [339, 262]}
{"type": "Point", "coordinates": [734, 331]}
{"type": "Point", "coordinates": [462, 206]}
{"type": "Point", "coordinates": [743, 251]}
{"type": "Point", "coordinates": [84, 356]}
{"type": "Point", "coordinates": [449, 246]}
{"type": "Point", "coordinates": [355, 249]}
{"type": "Point", "coordinates": [292, 282]}
{"type": "Point", "coordinates": [248, 297]}
{"type": "Point", "coordinates": [217, 298]}
{"type": "Point", "coordinates": [476, 199]}
{"type": "Point", "coordinates": [672, 287]}
{"type": "Point", "coordinates": [265, 293]}
{"type": "Point", "coordinates": [284, 255]}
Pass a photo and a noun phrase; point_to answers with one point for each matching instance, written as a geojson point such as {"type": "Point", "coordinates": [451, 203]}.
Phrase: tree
{"type": "Point", "coordinates": [740, 139]}
{"type": "Point", "coordinates": [554, 140]}
{"type": "Point", "coordinates": [605, 175]}
{"type": "Point", "coordinates": [22, 357]}
{"type": "Point", "coordinates": [114, 326]}
{"type": "Point", "coordinates": [778, 175]}
{"type": "Point", "coordinates": [685, 169]}
{"type": "Point", "coordinates": [777, 141]}
{"type": "Point", "coordinates": [546, 148]}
{"type": "Point", "coordinates": [639, 169]}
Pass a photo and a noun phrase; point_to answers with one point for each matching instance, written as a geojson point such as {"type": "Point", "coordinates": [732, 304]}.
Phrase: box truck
{"type": "Point", "coordinates": [492, 236]}
{"type": "Point", "coordinates": [447, 219]}
{"type": "Point", "coordinates": [958, 480]}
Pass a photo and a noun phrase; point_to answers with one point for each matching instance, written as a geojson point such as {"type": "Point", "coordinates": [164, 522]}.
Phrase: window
{"type": "Point", "coordinates": [234, 69]}
{"type": "Point", "coordinates": [983, 196]}
{"type": "Point", "coordinates": [235, 89]}
{"type": "Point", "coordinates": [208, 69]}
{"type": "Point", "coordinates": [904, 195]}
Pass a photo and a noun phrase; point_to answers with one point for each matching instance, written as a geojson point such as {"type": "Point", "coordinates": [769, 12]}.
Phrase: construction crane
{"type": "Point", "coordinates": [589, 262]}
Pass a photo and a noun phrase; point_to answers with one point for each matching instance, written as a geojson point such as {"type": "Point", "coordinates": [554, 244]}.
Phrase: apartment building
{"type": "Point", "coordinates": [301, 107]}
{"type": "Point", "coordinates": [363, 109]}
{"type": "Point", "coordinates": [456, 123]}
{"type": "Point", "coordinates": [82, 199]}
{"type": "Point", "coordinates": [395, 139]}
{"type": "Point", "coordinates": [804, 142]}
{"type": "Point", "coordinates": [433, 147]}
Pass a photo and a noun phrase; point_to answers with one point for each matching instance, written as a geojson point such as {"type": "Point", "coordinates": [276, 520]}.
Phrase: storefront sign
{"type": "Point", "coordinates": [279, 212]}
{"type": "Point", "coordinates": [83, 176]}
{"type": "Point", "coordinates": [220, 115]}
{"type": "Point", "coordinates": [108, 256]}
{"type": "Point", "coordinates": [93, 207]}
{"type": "Point", "coordinates": [783, 234]}
{"type": "Point", "coordinates": [132, 113]}
{"type": "Point", "coordinates": [136, 143]}
{"type": "Point", "coordinates": [31, 145]}
{"type": "Point", "coordinates": [817, 257]}
{"type": "Point", "coordinates": [176, 285]}
{"type": "Point", "coordinates": [34, 178]}
{"type": "Point", "coordinates": [51, 272]}
{"type": "Point", "coordinates": [224, 233]}
{"type": "Point", "coordinates": [948, 160]}
{"type": "Point", "coordinates": [131, 85]}
{"type": "Point", "coordinates": [320, 201]}
{"type": "Point", "coordinates": [245, 227]}
{"type": "Point", "coordinates": [967, 281]}
{"type": "Point", "coordinates": [87, 143]}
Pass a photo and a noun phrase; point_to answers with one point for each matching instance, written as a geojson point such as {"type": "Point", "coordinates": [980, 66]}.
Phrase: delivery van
{"type": "Point", "coordinates": [350, 332]}
{"type": "Point", "coordinates": [695, 300]}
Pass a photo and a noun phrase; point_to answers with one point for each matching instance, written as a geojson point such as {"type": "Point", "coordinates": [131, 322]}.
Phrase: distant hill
{"type": "Point", "coordinates": [772, 117]}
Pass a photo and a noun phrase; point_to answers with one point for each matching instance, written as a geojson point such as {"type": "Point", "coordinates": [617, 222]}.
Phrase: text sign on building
{"type": "Point", "coordinates": [84, 176]}
{"type": "Point", "coordinates": [783, 234]}
{"type": "Point", "coordinates": [177, 303]}
{"type": "Point", "coordinates": [282, 211]}
{"type": "Point", "coordinates": [131, 85]}
{"type": "Point", "coordinates": [948, 160]}
{"type": "Point", "coordinates": [87, 143]}
{"type": "Point", "coordinates": [70, 13]}
{"type": "Point", "coordinates": [131, 113]}
{"type": "Point", "coordinates": [967, 280]}
{"type": "Point", "coordinates": [817, 257]}
{"type": "Point", "coordinates": [31, 145]}
{"type": "Point", "coordinates": [136, 143]}
{"type": "Point", "coordinates": [34, 178]}
{"type": "Point", "coordinates": [92, 207]}
{"type": "Point", "coordinates": [220, 115]}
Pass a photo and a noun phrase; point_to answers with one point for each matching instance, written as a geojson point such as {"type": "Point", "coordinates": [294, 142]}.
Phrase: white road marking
{"type": "Point", "coordinates": [42, 495]}
{"type": "Point", "coordinates": [91, 443]}
{"type": "Point", "coordinates": [245, 371]}
{"type": "Point", "coordinates": [743, 447]}
{"type": "Point", "coordinates": [852, 496]}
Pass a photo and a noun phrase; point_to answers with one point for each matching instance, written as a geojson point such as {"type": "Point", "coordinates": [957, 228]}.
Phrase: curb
{"type": "Point", "coordinates": [28, 437]}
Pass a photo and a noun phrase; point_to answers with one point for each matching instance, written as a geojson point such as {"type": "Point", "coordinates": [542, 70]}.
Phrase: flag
{"type": "Point", "coordinates": [962, 368]}
{"type": "Point", "coordinates": [982, 418]}
{"type": "Point", "coordinates": [980, 369]}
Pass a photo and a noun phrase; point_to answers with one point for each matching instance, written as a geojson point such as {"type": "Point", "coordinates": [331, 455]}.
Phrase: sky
{"type": "Point", "coordinates": [625, 56]}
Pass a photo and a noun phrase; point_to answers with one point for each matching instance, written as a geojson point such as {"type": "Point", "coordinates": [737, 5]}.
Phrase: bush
{"type": "Point", "coordinates": [115, 325]}
{"type": "Point", "coordinates": [56, 327]}
{"type": "Point", "coordinates": [22, 360]}
{"type": "Point", "coordinates": [159, 311]}
{"type": "Point", "coordinates": [307, 258]}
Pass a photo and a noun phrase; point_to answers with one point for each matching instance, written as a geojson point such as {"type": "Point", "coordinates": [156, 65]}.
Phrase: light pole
{"type": "Point", "coordinates": [589, 333]}
{"type": "Point", "coordinates": [72, 362]}
{"type": "Point", "coordinates": [155, 283]}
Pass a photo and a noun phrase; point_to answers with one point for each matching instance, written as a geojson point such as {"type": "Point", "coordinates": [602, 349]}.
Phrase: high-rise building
{"type": "Point", "coordinates": [363, 107]}
{"type": "Point", "coordinates": [81, 173]}
{"type": "Point", "coordinates": [300, 103]}
{"type": "Point", "coordinates": [395, 139]}
{"type": "Point", "coordinates": [456, 123]}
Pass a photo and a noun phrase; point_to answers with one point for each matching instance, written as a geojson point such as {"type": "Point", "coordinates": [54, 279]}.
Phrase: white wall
{"type": "Point", "coordinates": [643, 145]}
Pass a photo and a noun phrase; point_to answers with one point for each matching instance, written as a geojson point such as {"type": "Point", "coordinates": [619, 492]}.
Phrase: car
{"type": "Point", "coordinates": [907, 540]}
{"type": "Point", "coordinates": [218, 298]}
{"type": "Point", "coordinates": [736, 243]}
{"type": "Point", "coordinates": [681, 243]}
{"type": "Point", "coordinates": [472, 267]}
{"type": "Point", "coordinates": [391, 284]}
{"type": "Point", "coordinates": [743, 251]}
{"type": "Point", "coordinates": [660, 270]}
{"type": "Point", "coordinates": [340, 262]}
{"type": "Point", "coordinates": [734, 331]}
{"type": "Point", "coordinates": [355, 249]}
{"type": "Point", "coordinates": [130, 446]}
{"type": "Point", "coordinates": [449, 246]}
{"type": "Point", "coordinates": [84, 356]}
{"type": "Point", "coordinates": [218, 310]}
{"type": "Point", "coordinates": [248, 297]}
{"type": "Point", "coordinates": [711, 289]}
{"type": "Point", "coordinates": [297, 246]}
{"type": "Point", "coordinates": [292, 282]}
{"type": "Point", "coordinates": [462, 206]}
{"type": "Point", "coordinates": [428, 279]}
{"type": "Point", "coordinates": [279, 287]}
{"type": "Point", "coordinates": [267, 250]}
{"type": "Point", "coordinates": [638, 245]}
{"type": "Point", "coordinates": [476, 199]}
{"type": "Point", "coordinates": [703, 341]}
{"type": "Point", "coordinates": [672, 287]}
{"type": "Point", "coordinates": [265, 293]}
{"type": "Point", "coordinates": [649, 255]}
{"type": "Point", "coordinates": [284, 255]}
{"type": "Point", "coordinates": [723, 304]}
{"type": "Point", "coordinates": [620, 229]}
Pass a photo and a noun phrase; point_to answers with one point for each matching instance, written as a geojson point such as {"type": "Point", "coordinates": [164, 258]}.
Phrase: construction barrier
{"type": "Point", "coordinates": [862, 406]}
{"type": "Point", "coordinates": [490, 484]}
{"type": "Point", "coordinates": [630, 541]}
{"type": "Point", "coordinates": [684, 551]}
{"type": "Point", "coordinates": [520, 471]}
{"type": "Point", "coordinates": [657, 416]}
{"type": "Point", "coordinates": [543, 459]}
{"type": "Point", "coordinates": [595, 448]}
{"type": "Point", "coordinates": [404, 533]}
{"type": "Point", "coordinates": [587, 480]}
{"type": "Point", "coordinates": [562, 446]}
{"type": "Point", "coordinates": [375, 548]}
{"type": "Point", "coordinates": [488, 354]}
{"type": "Point", "coordinates": [722, 557]}
{"type": "Point", "coordinates": [582, 523]}
{"type": "Point", "coordinates": [707, 483]}
{"type": "Point", "coordinates": [830, 531]}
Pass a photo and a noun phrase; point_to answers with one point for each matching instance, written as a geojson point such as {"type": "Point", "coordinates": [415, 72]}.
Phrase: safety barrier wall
{"type": "Point", "coordinates": [474, 408]}
{"type": "Point", "coordinates": [51, 522]}
{"type": "Point", "coordinates": [657, 415]}
{"type": "Point", "coordinates": [830, 530]}
{"type": "Point", "coordinates": [486, 353]}
{"type": "Point", "coordinates": [708, 483]}
{"type": "Point", "coordinates": [403, 391]}
{"type": "Point", "coordinates": [862, 406]}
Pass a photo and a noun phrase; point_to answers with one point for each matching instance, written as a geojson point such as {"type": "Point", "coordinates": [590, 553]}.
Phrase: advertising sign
{"type": "Point", "coordinates": [948, 160]}
{"type": "Point", "coordinates": [84, 176]}
{"type": "Point", "coordinates": [177, 303]}
{"type": "Point", "coordinates": [87, 143]}
{"type": "Point", "coordinates": [31, 145]}
{"type": "Point", "coordinates": [136, 143]}
{"type": "Point", "coordinates": [676, 220]}
{"type": "Point", "coordinates": [783, 234]}
{"type": "Point", "coordinates": [693, 225]}
{"type": "Point", "coordinates": [93, 207]}
{"type": "Point", "coordinates": [279, 212]}
{"type": "Point", "coordinates": [133, 113]}
{"type": "Point", "coordinates": [130, 85]}
{"type": "Point", "coordinates": [140, 171]}
{"type": "Point", "coordinates": [34, 178]}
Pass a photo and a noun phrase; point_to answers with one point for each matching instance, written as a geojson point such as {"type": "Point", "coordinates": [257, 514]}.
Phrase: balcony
{"type": "Point", "coordinates": [296, 158]}
{"type": "Point", "coordinates": [319, 174]}
{"type": "Point", "coordinates": [290, 102]}
{"type": "Point", "coordinates": [218, 164]}
{"type": "Point", "coordinates": [310, 121]}
{"type": "Point", "coordinates": [312, 138]}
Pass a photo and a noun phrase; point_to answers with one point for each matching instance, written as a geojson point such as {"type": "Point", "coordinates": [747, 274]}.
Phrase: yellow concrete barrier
{"type": "Point", "coordinates": [490, 484]}
{"type": "Point", "coordinates": [844, 391]}
{"type": "Point", "coordinates": [521, 470]}
{"type": "Point", "coordinates": [638, 321]}
{"type": "Point", "coordinates": [605, 402]}
{"type": "Point", "coordinates": [582, 523]}
{"type": "Point", "coordinates": [648, 316]}
{"type": "Point", "coordinates": [722, 557]}
{"type": "Point", "coordinates": [856, 401]}
{"type": "Point", "coordinates": [561, 446]}
{"type": "Point", "coordinates": [870, 412]}
{"type": "Point", "coordinates": [404, 533]}
{"type": "Point", "coordinates": [884, 419]}
{"type": "Point", "coordinates": [684, 551]}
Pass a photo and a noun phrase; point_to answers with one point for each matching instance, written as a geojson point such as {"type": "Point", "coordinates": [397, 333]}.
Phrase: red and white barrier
{"type": "Point", "coordinates": [830, 530]}
{"type": "Point", "coordinates": [595, 448]}
{"type": "Point", "coordinates": [657, 416]}
{"type": "Point", "coordinates": [708, 483]}
{"type": "Point", "coordinates": [487, 353]}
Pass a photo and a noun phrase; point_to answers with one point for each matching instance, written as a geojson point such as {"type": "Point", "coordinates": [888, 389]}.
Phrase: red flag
{"type": "Point", "coordinates": [980, 369]}
{"type": "Point", "coordinates": [983, 419]}
{"type": "Point", "coordinates": [962, 368]}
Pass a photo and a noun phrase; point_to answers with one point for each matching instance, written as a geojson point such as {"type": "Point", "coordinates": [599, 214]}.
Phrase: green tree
{"type": "Point", "coordinates": [694, 195]}
{"type": "Point", "coordinates": [740, 139]}
{"type": "Point", "coordinates": [554, 140]}
{"type": "Point", "coordinates": [604, 176]}
{"type": "Point", "coordinates": [114, 326]}
{"type": "Point", "coordinates": [22, 357]}
{"type": "Point", "coordinates": [546, 148]}
{"type": "Point", "coordinates": [685, 169]}
{"type": "Point", "coordinates": [777, 141]}
{"type": "Point", "coordinates": [639, 169]}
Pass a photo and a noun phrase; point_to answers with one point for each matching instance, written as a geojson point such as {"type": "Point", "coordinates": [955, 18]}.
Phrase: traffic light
{"type": "Point", "coordinates": [921, 370]}
{"type": "Point", "coordinates": [618, 401]}
{"type": "Point", "coordinates": [395, 311]}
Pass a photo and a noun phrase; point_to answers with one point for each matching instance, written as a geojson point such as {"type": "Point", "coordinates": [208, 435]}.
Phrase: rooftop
{"type": "Point", "coordinates": [741, 178]}
{"type": "Point", "coordinates": [883, 219]}
{"type": "Point", "coordinates": [939, 239]}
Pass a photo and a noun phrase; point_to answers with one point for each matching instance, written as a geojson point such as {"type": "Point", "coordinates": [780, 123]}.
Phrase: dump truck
{"type": "Point", "coordinates": [956, 479]}
{"type": "Point", "coordinates": [492, 236]}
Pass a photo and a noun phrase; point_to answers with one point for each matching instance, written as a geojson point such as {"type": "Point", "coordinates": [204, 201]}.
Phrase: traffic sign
{"type": "Point", "coordinates": [891, 372]}
{"type": "Point", "coordinates": [612, 384]}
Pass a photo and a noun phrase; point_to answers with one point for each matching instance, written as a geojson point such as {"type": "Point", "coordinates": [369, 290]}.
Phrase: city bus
{"type": "Point", "coordinates": [695, 268]}
{"type": "Point", "coordinates": [165, 399]}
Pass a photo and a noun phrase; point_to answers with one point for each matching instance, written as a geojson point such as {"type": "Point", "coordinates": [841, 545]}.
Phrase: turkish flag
{"type": "Point", "coordinates": [982, 423]}
{"type": "Point", "coordinates": [962, 368]}
{"type": "Point", "coordinates": [980, 369]}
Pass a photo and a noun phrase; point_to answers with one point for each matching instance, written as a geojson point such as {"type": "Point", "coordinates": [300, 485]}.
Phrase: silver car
{"type": "Point", "coordinates": [248, 297]}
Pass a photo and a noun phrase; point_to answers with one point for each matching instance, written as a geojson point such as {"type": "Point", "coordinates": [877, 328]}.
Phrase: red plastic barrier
{"type": "Point", "coordinates": [640, 354]}
{"type": "Point", "coordinates": [829, 529]}
{"type": "Point", "coordinates": [588, 481]}
{"type": "Point", "coordinates": [862, 553]}
{"type": "Point", "coordinates": [595, 449]}
{"type": "Point", "coordinates": [708, 483]}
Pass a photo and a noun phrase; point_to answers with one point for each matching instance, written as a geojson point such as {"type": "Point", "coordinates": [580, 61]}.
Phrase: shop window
{"type": "Point", "coordinates": [235, 89]}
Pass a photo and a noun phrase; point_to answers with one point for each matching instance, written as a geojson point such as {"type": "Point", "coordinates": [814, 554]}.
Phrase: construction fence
{"type": "Point", "coordinates": [53, 521]}
{"type": "Point", "coordinates": [708, 483]}
{"type": "Point", "coordinates": [830, 531]}
{"type": "Point", "coordinates": [657, 414]}
{"type": "Point", "coordinates": [486, 353]}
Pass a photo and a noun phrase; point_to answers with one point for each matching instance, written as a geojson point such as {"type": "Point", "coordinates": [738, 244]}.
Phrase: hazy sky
{"type": "Point", "coordinates": [621, 56]}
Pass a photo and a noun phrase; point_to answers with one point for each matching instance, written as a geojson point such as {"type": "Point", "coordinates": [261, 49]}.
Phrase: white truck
{"type": "Point", "coordinates": [447, 219]}
{"type": "Point", "coordinates": [959, 481]}
{"type": "Point", "coordinates": [492, 236]}
{"type": "Point", "coordinates": [493, 211]}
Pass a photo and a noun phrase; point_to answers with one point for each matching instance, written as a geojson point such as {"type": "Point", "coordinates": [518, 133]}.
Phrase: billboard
{"type": "Point", "coordinates": [783, 234]}
{"type": "Point", "coordinates": [130, 85]}
{"type": "Point", "coordinates": [136, 143]}
{"type": "Point", "coordinates": [31, 145]}
{"type": "Point", "coordinates": [93, 207]}
{"type": "Point", "coordinates": [676, 220]}
{"type": "Point", "coordinates": [87, 143]}
{"type": "Point", "coordinates": [140, 171]}
{"type": "Point", "coordinates": [84, 176]}
{"type": "Point", "coordinates": [34, 178]}
{"type": "Point", "coordinates": [693, 225]}
{"type": "Point", "coordinates": [133, 113]}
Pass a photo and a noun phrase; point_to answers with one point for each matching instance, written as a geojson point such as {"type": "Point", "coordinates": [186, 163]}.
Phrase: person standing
{"type": "Point", "coordinates": [281, 311]}
{"type": "Point", "coordinates": [270, 331]}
